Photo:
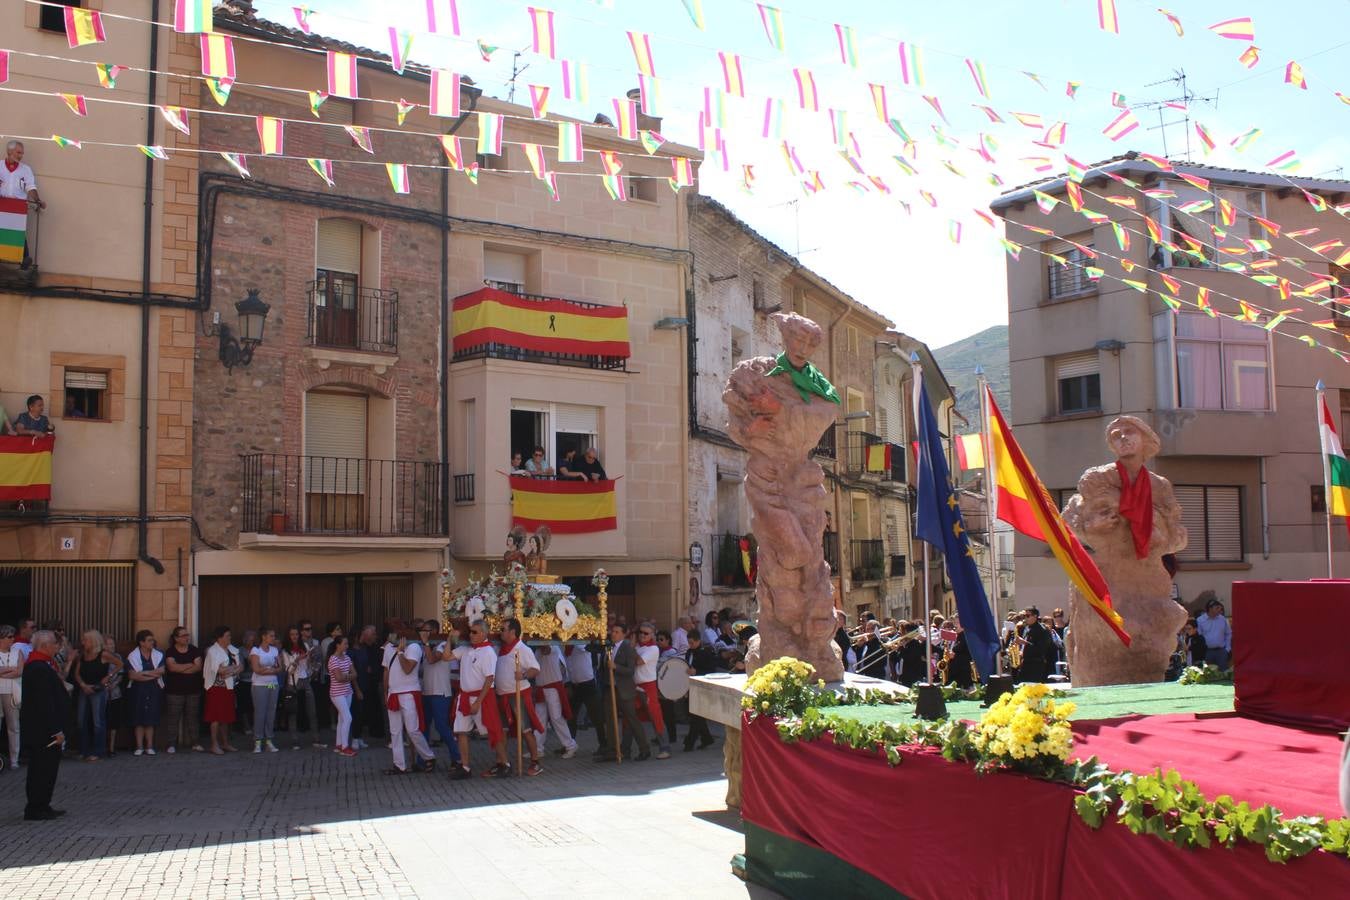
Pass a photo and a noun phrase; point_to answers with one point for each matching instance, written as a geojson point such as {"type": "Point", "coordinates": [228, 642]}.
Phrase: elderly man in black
{"type": "Point", "coordinates": [41, 722]}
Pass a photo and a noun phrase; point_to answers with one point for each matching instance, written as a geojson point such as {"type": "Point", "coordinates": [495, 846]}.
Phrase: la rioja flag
{"type": "Point", "coordinates": [1337, 466]}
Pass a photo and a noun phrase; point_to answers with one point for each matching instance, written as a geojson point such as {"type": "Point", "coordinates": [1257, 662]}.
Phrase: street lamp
{"type": "Point", "coordinates": [252, 312]}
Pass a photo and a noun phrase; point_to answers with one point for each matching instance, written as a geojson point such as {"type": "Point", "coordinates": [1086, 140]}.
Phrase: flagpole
{"type": "Point", "coordinates": [929, 703]}
{"type": "Point", "coordinates": [1321, 390]}
{"type": "Point", "coordinates": [982, 385]}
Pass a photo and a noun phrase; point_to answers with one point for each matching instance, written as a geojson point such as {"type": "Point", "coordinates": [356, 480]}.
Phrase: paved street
{"type": "Point", "coordinates": [308, 823]}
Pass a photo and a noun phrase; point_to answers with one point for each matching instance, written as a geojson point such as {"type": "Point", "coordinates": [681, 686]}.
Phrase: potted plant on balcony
{"type": "Point", "coordinates": [729, 559]}
{"type": "Point", "coordinates": [276, 521]}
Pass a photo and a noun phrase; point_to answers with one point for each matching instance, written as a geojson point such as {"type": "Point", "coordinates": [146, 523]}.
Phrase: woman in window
{"type": "Point", "coordinates": [265, 661]}
{"type": "Point", "coordinates": [145, 670]}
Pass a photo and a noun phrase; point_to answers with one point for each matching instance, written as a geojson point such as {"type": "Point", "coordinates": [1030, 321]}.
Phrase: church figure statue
{"type": "Point", "coordinates": [1130, 519]}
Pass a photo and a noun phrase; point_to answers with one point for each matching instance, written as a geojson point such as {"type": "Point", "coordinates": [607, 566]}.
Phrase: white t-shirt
{"type": "Point", "coordinates": [551, 665]}
{"type": "Point", "coordinates": [506, 668]}
{"type": "Point", "coordinates": [436, 676]}
{"type": "Point", "coordinates": [401, 682]}
{"type": "Point", "coordinates": [710, 636]}
{"type": "Point", "coordinates": [16, 185]}
{"type": "Point", "coordinates": [476, 665]}
{"type": "Point", "coordinates": [267, 658]}
{"type": "Point", "coordinates": [580, 668]}
{"type": "Point", "coordinates": [679, 639]}
{"type": "Point", "coordinates": [647, 660]}
{"type": "Point", "coordinates": [11, 657]}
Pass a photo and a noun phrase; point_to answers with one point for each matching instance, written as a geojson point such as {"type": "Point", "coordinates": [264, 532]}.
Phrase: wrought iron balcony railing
{"type": "Point", "coordinates": [867, 560]}
{"type": "Point", "coordinates": [344, 316]}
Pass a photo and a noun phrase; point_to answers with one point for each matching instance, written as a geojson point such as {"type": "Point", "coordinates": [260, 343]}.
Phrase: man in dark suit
{"type": "Point", "coordinates": [625, 662]}
{"type": "Point", "coordinates": [41, 722]}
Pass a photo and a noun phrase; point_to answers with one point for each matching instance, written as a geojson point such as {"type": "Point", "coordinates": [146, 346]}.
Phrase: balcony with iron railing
{"type": "Point", "coordinates": [859, 457]}
{"type": "Point", "coordinates": [729, 562]}
{"type": "Point", "coordinates": [867, 560]}
{"type": "Point", "coordinates": [289, 496]}
{"type": "Point", "coordinates": [826, 446]}
{"type": "Point", "coordinates": [830, 545]}
{"type": "Point", "coordinates": [343, 316]}
{"type": "Point", "coordinates": [549, 326]}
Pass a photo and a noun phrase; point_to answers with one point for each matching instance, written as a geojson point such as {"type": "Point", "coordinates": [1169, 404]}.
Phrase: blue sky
{"type": "Point", "coordinates": [905, 263]}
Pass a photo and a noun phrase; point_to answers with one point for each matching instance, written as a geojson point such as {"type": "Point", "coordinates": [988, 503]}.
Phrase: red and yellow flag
{"type": "Point", "coordinates": [567, 507]}
{"type": "Point", "coordinates": [26, 467]}
{"type": "Point", "coordinates": [970, 449]}
{"type": "Point", "coordinates": [1025, 504]}
{"type": "Point", "coordinates": [879, 457]}
{"type": "Point", "coordinates": [492, 316]}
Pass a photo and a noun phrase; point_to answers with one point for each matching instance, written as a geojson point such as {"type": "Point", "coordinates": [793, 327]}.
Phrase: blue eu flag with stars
{"type": "Point", "coordinates": [940, 524]}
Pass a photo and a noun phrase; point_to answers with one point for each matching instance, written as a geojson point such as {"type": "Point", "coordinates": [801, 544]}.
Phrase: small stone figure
{"type": "Point", "coordinates": [778, 408]}
{"type": "Point", "coordinates": [1130, 519]}
{"type": "Point", "coordinates": [536, 548]}
{"type": "Point", "coordinates": [515, 548]}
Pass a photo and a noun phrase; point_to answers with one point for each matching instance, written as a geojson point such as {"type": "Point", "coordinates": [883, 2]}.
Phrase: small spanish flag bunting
{"type": "Point", "coordinates": [175, 117]}
{"type": "Point", "coordinates": [911, 64]}
{"type": "Point", "coordinates": [1107, 19]}
{"type": "Point", "coordinates": [217, 56]}
{"type": "Point", "coordinates": [192, 16]}
{"type": "Point", "coordinates": [1235, 29]}
{"type": "Point", "coordinates": [1030, 120]}
{"type": "Point", "coordinates": [879, 102]}
{"type": "Point", "coordinates": [733, 77]}
{"type": "Point", "coordinates": [454, 155]}
{"type": "Point", "coordinates": [642, 52]}
{"type": "Point", "coordinates": [360, 136]}
{"type": "Point", "coordinates": [539, 100]}
{"type": "Point", "coordinates": [772, 19]}
{"type": "Point", "coordinates": [545, 41]}
{"type": "Point", "coordinates": [848, 45]}
{"type": "Point", "coordinates": [342, 75]}
{"type": "Point", "coordinates": [220, 88]}
{"type": "Point", "coordinates": [534, 155]}
{"type": "Point", "coordinates": [1206, 139]}
{"type": "Point", "coordinates": [683, 169]}
{"type": "Point", "coordinates": [571, 148]}
{"type": "Point", "coordinates": [155, 152]}
{"type": "Point", "coordinates": [402, 108]}
{"type": "Point", "coordinates": [317, 100]}
{"type": "Point", "coordinates": [400, 48]}
{"type": "Point", "coordinates": [1122, 125]}
{"type": "Point", "coordinates": [489, 133]}
{"type": "Point", "coordinates": [442, 17]}
{"type": "Point", "coordinates": [76, 104]}
{"type": "Point", "coordinates": [398, 177]}
{"type": "Point", "coordinates": [323, 168]}
{"type": "Point", "coordinates": [83, 26]}
{"type": "Point", "coordinates": [1250, 57]}
{"type": "Point", "coordinates": [271, 135]}
{"type": "Point", "coordinates": [238, 162]}
{"type": "Point", "coordinates": [1293, 74]}
{"type": "Point", "coordinates": [445, 89]}
{"type": "Point", "coordinates": [107, 74]}
{"type": "Point", "coordinates": [1176, 23]}
{"type": "Point", "coordinates": [1344, 98]}
{"type": "Point", "coordinates": [625, 119]}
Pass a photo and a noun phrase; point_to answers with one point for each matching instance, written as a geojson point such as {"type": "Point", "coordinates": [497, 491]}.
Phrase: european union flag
{"type": "Point", "coordinates": [940, 524]}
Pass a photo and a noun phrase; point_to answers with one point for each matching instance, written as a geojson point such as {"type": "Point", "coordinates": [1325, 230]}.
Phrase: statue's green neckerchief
{"type": "Point", "coordinates": [807, 380]}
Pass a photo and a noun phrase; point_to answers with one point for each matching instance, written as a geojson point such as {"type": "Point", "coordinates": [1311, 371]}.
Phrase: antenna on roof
{"type": "Point", "coordinates": [1181, 103]}
{"type": "Point", "coordinates": [516, 69]}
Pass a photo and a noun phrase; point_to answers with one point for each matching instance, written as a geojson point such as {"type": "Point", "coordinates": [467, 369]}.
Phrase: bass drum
{"type": "Point", "coordinates": [672, 679]}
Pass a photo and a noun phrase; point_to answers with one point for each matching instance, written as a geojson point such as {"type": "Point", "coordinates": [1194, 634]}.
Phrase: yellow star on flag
{"type": "Point", "coordinates": [957, 529]}
{"type": "Point", "coordinates": [951, 501]}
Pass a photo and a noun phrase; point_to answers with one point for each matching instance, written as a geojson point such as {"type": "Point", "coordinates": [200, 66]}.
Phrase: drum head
{"type": "Point", "coordinates": [566, 611]}
{"type": "Point", "coordinates": [672, 679]}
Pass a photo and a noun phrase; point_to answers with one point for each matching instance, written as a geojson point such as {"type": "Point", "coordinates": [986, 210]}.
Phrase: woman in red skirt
{"type": "Point", "coordinates": [218, 671]}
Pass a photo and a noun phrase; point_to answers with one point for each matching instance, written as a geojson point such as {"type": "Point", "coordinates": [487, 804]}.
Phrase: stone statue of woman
{"type": "Point", "coordinates": [778, 408]}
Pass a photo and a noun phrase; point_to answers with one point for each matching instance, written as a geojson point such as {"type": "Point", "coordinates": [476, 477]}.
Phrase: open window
{"type": "Point", "coordinates": [86, 395]}
{"type": "Point", "coordinates": [1208, 227]}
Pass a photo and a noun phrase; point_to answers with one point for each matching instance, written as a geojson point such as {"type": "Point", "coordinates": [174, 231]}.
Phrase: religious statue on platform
{"type": "Point", "coordinates": [515, 548]}
{"type": "Point", "coordinates": [1130, 518]}
{"type": "Point", "coordinates": [778, 408]}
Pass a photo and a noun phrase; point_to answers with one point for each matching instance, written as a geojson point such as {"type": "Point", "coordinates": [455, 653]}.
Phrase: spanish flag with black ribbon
{"type": "Point", "coordinates": [26, 467]}
{"type": "Point", "coordinates": [492, 316]}
{"type": "Point", "coordinates": [1025, 504]}
{"type": "Point", "coordinates": [567, 507]}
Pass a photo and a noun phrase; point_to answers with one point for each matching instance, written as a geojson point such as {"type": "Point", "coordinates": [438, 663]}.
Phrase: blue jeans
{"type": "Point", "coordinates": [436, 712]}
{"type": "Point", "coordinates": [91, 713]}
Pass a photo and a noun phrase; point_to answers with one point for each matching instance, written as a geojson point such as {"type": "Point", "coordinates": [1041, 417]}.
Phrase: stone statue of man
{"type": "Point", "coordinates": [778, 407]}
{"type": "Point", "coordinates": [1130, 518]}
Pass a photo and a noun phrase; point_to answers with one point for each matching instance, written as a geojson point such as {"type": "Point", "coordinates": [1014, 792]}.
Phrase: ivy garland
{"type": "Point", "coordinates": [1159, 803]}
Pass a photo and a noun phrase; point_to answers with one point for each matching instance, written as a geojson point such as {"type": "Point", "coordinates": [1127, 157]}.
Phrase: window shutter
{"type": "Point", "coordinates": [504, 268]}
{"type": "Point", "coordinates": [1224, 505]}
{"type": "Point", "coordinates": [339, 246]}
{"type": "Point", "coordinates": [335, 429]}
{"type": "Point", "coordinates": [1192, 501]}
{"type": "Point", "coordinates": [91, 381]}
{"type": "Point", "coordinates": [1076, 365]}
{"type": "Point", "coordinates": [576, 419]}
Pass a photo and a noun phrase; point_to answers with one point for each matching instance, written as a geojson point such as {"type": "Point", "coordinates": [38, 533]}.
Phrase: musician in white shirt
{"type": "Point", "coordinates": [551, 703]}
{"type": "Point", "coordinates": [516, 665]}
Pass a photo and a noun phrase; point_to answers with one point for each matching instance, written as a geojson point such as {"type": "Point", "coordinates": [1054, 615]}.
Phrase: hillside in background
{"type": "Point", "coordinates": [989, 348]}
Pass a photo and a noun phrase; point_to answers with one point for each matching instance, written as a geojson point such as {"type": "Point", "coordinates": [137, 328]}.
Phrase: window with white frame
{"type": "Point", "coordinates": [557, 427]}
{"type": "Point", "coordinates": [1078, 383]}
{"type": "Point", "coordinates": [505, 270]}
{"type": "Point", "coordinates": [1210, 227]}
{"type": "Point", "coordinates": [1069, 278]}
{"type": "Point", "coordinates": [1212, 515]}
{"type": "Point", "coordinates": [1211, 363]}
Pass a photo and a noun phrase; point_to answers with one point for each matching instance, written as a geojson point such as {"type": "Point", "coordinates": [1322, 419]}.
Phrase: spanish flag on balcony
{"type": "Point", "coordinates": [1025, 504]}
{"type": "Point", "coordinates": [492, 316]}
{"type": "Point", "coordinates": [26, 467]}
{"type": "Point", "coordinates": [567, 507]}
{"type": "Point", "coordinates": [879, 457]}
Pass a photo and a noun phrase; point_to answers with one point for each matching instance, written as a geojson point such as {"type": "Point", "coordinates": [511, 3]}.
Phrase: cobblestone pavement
{"type": "Point", "coordinates": [308, 823]}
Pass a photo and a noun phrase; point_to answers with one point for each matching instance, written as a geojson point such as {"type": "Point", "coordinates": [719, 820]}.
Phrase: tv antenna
{"type": "Point", "coordinates": [516, 70]}
{"type": "Point", "coordinates": [1181, 103]}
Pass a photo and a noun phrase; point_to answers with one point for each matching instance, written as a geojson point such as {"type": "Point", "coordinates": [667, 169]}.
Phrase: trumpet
{"type": "Point", "coordinates": [860, 639]}
{"type": "Point", "coordinates": [899, 641]}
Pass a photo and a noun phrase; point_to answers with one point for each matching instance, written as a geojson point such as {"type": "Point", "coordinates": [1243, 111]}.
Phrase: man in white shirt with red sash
{"type": "Point", "coordinates": [513, 650]}
{"type": "Point", "coordinates": [405, 708]}
{"type": "Point", "coordinates": [644, 675]}
{"type": "Point", "coordinates": [555, 710]}
{"type": "Point", "coordinates": [476, 703]}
